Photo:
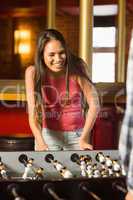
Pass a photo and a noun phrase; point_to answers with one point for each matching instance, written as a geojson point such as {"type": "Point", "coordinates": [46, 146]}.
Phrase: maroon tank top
{"type": "Point", "coordinates": [57, 114]}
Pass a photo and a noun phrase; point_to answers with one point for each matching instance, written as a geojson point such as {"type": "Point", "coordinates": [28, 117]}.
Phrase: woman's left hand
{"type": "Point", "coordinates": [84, 145]}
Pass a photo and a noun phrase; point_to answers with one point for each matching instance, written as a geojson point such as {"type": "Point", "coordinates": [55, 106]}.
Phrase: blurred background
{"type": "Point", "coordinates": [99, 31]}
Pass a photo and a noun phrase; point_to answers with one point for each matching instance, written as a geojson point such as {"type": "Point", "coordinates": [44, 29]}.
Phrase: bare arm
{"type": "Point", "coordinates": [91, 96]}
{"type": "Point", "coordinates": [29, 82]}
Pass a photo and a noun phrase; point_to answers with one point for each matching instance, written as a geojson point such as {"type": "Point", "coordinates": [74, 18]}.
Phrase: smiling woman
{"type": "Point", "coordinates": [55, 87]}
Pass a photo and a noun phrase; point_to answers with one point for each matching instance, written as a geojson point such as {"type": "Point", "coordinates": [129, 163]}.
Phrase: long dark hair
{"type": "Point", "coordinates": [74, 64]}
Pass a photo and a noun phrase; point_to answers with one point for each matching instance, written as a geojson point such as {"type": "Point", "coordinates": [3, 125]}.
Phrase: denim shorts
{"type": "Point", "coordinates": [62, 140]}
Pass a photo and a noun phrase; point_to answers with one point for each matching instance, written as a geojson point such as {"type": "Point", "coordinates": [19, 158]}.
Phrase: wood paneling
{"type": "Point", "coordinates": [17, 8]}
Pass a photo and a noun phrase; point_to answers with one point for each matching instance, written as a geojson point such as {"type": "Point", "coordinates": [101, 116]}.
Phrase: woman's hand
{"type": "Point", "coordinates": [41, 147]}
{"type": "Point", "coordinates": [84, 144]}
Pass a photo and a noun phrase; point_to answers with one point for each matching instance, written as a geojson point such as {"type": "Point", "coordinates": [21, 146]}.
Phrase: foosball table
{"type": "Point", "coordinates": [62, 175]}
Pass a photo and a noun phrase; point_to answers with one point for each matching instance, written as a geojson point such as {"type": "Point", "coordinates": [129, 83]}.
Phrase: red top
{"type": "Point", "coordinates": [56, 114]}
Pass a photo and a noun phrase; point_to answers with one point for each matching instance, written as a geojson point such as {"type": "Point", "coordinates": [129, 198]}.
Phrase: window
{"type": "Point", "coordinates": [103, 64]}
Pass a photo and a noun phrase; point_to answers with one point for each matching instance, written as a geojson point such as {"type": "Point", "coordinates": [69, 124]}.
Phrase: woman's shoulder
{"type": "Point", "coordinates": [84, 82]}
{"type": "Point", "coordinates": [77, 78]}
{"type": "Point", "coordinates": [30, 71]}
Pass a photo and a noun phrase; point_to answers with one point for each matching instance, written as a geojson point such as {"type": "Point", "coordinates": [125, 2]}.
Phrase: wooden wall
{"type": "Point", "coordinates": [13, 66]}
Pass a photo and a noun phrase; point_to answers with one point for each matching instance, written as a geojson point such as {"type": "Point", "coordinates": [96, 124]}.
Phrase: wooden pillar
{"type": "Point", "coordinates": [120, 69]}
{"type": "Point", "coordinates": [51, 13]}
{"type": "Point", "coordinates": [85, 32]}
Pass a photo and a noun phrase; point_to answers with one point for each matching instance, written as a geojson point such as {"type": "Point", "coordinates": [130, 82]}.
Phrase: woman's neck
{"type": "Point", "coordinates": [55, 74]}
